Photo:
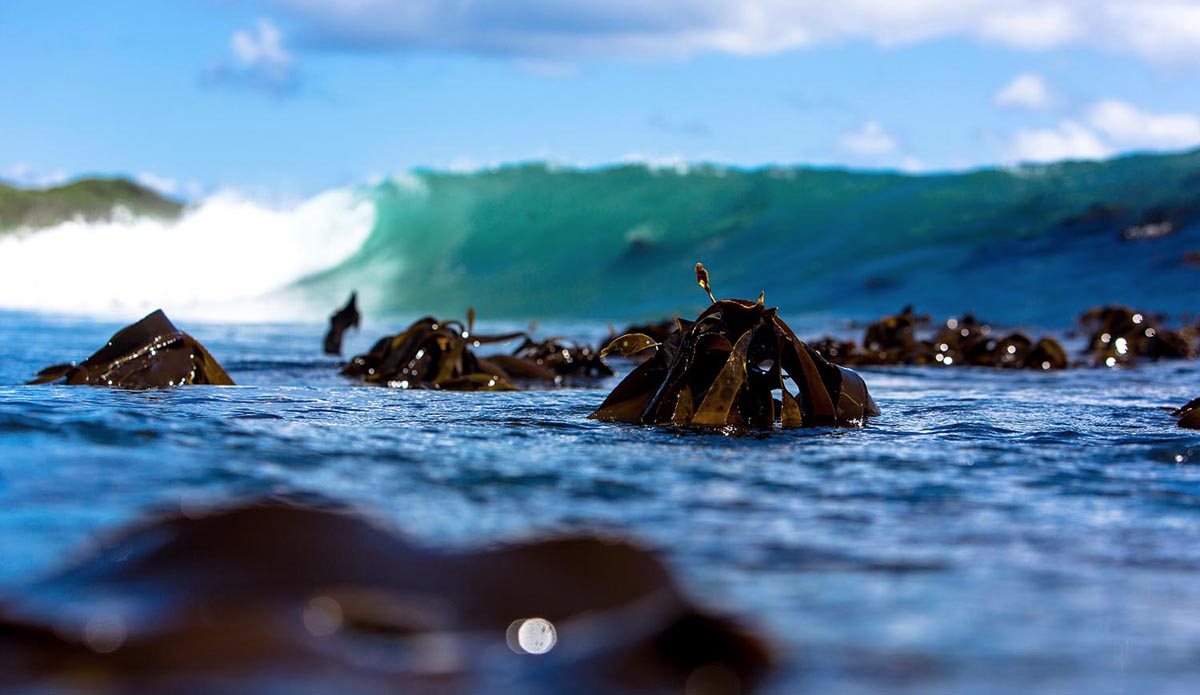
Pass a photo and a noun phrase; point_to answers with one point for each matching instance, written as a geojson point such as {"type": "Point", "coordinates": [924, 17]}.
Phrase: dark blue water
{"type": "Point", "coordinates": [991, 532]}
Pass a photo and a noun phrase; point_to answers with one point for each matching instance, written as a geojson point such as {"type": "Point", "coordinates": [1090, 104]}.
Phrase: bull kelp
{"type": "Point", "coordinates": [724, 370]}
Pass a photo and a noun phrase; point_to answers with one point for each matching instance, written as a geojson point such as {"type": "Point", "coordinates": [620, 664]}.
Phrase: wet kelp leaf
{"type": "Point", "coordinates": [629, 344]}
{"type": "Point", "coordinates": [269, 595]}
{"type": "Point", "coordinates": [345, 318]}
{"type": "Point", "coordinates": [431, 354]}
{"type": "Point", "coordinates": [723, 369]}
{"type": "Point", "coordinates": [151, 353]}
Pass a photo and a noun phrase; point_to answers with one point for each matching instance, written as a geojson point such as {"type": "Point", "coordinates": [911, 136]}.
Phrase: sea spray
{"type": "Point", "coordinates": [226, 258]}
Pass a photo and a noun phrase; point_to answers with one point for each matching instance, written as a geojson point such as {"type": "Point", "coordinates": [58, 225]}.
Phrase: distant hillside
{"type": "Point", "coordinates": [93, 199]}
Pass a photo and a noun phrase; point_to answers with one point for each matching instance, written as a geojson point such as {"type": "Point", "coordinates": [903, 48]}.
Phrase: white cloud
{"type": "Point", "coordinates": [262, 51]}
{"type": "Point", "coordinates": [1128, 125]}
{"type": "Point", "coordinates": [1163, 30]}
{"type": "Point", "coordinates": [869, 140]}
{"type": "Point", "coordinates": [1107, 127]}
{"type": "Point", "coordinates": [24, 174]}
{"type": "Point", "coordinates": [260, 60]}
{"type": "Point", "coordinates": [1158, 30]}
{"type": "Point", "coordinates": [1071, 140]}
{"type": "Point", "coordinates": [1036, 27]}
{"type": "Point", "coordinates": [162, 184]}
{"type": "Point", "coordinates": [1027, 91]}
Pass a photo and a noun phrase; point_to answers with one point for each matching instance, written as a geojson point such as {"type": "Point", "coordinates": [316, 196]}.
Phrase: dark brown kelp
{"type": "Point", "coordinates": [270, 596]}
{"type": "Point", "coordinates": [960, 342]}
{"type": "Point", "coordinates": [730, 368]}
{"type": "Point", "coordinates": [1117, 335]}
{"type": "Point", "coordinates": [151, 353]}
{"type": "Point", "coordinates": [345, 318]}
{"type": "Point", "coordinates": [1189, 414]}
{"type": "Point", "coordinates": [564, 358]}
{"type": "Point", "coordinates": [433, 354]}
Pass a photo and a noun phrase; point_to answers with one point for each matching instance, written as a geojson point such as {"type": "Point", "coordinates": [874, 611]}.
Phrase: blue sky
{"type": "Point", "coordinates": [294, 96]}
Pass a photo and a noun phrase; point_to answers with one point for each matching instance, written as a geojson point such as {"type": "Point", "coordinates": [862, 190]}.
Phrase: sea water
{"type": "Point", "coordinates": [991, 532]}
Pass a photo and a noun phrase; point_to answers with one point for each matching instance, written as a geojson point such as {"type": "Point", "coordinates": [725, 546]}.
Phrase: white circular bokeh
{"type": "Point", "coordinates": [531, 636]}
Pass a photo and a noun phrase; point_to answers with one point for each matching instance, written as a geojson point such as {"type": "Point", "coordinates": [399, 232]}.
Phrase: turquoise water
{"type": "Point", "coordinates": [1023, 245]}
{"type": "Point", "coordinates": [990, 532]}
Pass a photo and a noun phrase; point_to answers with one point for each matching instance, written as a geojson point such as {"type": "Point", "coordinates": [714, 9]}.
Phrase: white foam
{"type": "Point", "coordinates": [227, 259]}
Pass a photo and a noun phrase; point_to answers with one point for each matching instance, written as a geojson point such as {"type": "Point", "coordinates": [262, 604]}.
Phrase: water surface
{"type": "Point", "coordinates": [991, 532]}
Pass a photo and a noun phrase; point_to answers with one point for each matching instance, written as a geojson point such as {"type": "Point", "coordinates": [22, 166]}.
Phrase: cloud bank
{"type": "Point", "coordinates": [1162, 31]}
{"type": "Point", "coordinates": [1107, 127]}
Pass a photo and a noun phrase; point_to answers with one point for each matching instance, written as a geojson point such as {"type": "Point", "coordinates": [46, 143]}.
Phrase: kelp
{"type": "Point", "coordinates": [433, 354]}
{"type": "Point", "coordinates": [274, 596]}
{"type": "Point", "coordinates": [962, 341]}
{"type": "Point", "coordinates": [563, 357]}
{"type": "Point", "coordinates": [737, 365]}
{"type": "Point", "coordinates": [1118, 335]}
{"type": "Point", "coordinates": [343, 319]}
{"type": "Point", "coordinates": [151, 353]}
{"type": "Point", "coordinates": [1188, 414]}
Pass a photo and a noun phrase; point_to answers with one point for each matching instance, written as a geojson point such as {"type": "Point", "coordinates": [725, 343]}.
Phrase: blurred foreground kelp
{"type": "Point", "coordinates": [281, 597]}
{"type": "Point", "coordinates": [728, 368]}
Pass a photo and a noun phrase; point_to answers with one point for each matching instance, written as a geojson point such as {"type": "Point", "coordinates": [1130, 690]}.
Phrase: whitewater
{"type": "Point", "coordinates": [226, 258]}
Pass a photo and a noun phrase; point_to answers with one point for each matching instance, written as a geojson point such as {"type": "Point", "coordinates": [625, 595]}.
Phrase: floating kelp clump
{"type": "Point", "coordinates": [276, 597]}
{"type": "Point", "coordinates": [151, 353]}
{"type": "Point", "coordinates": [1118, 335]}
{"type": "Point", "coordinates": [345, 318]}
{"type": "Point", "coordinates": [564, 358]}
{"type": "Point", "coordinates": [1189, 414]}
{"type": "Point", "coordinates": [964, 341]}
{"type": "Point", "coordinates": [730, 368]}
{"type": "Point", "coordinates": [433, 354]}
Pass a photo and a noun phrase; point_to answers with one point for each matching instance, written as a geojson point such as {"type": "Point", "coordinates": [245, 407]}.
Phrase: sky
{"type": "Point", "coordinates": [291, 97]}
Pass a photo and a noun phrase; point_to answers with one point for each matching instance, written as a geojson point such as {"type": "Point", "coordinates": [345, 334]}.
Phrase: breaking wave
{"type": "Point", "coordinates": [1031, 245]}
{"type": "Point", "coordinates": [227, 258]}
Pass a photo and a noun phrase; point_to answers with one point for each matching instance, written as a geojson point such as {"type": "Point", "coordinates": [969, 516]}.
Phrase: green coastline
{"type": "Point", "coordinates": [90, 199]}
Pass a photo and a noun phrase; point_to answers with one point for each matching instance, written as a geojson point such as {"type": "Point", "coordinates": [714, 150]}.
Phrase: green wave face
{"type": "Point", "coordinates": [1029, 244]}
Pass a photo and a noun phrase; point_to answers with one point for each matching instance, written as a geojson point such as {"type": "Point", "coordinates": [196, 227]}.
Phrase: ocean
{"type": "Point", "coordinates": [990, 532]}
